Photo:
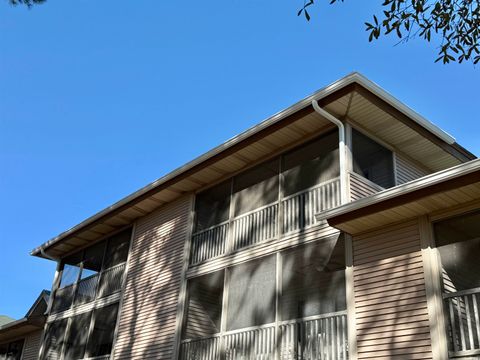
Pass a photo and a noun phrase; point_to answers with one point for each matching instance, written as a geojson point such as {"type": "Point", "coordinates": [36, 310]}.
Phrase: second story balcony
{"type": "Point", "coordinates": [279, 198]}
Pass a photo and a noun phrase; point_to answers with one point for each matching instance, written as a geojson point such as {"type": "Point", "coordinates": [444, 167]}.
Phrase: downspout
{"type": "Point", "coordinates": [341, 149]}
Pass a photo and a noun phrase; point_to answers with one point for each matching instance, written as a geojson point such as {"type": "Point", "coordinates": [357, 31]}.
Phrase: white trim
{"type": "Point", "coordinates": [350, 295]}
{"type": "Point", "coordinates": [182, 296]}
{"type": "Point", "coordinates": [433, 291]}
{"type": "Point", "coordinates": [122, 292]}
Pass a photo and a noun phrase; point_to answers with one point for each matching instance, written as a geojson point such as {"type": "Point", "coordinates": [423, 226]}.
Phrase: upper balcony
{"type": "Point", "coordinates": [280, 197]}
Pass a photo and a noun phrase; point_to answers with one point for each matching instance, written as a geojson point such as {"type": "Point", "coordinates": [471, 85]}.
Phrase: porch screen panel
{"type": "Point", "coordinates": [77, 338]}
{"type": "Point", "coordinates": [92, 264]}
{"type": "Point", "coordinates": [54, 340]}
{"type": "Point", "coordinates": [313, 279]}
{"type": "Point", "coordinates": [204, 311]}
{"type": "Point", "coordinates": [212, 206]}
{"type": "Point", "coordinates": [100, 342]}
{"type": "Point", "coordinates": [372, 161]}
{"type": "Point", "coordinates": [311, 164]}
{"type": "Point", "coordinates": [256, 187]}
{"type": "Point", "coordinates": [251, 296]}
{"type": "Point", "coordinates": [64, 295]}
{"type": "Point", "coordinates": [117, 249]}
{"type": "Point", "coordinates": [458, 242]}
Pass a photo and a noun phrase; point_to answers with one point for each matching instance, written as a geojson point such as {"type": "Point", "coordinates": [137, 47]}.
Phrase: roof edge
{"type": "Point", "coordinates": [349, 79]}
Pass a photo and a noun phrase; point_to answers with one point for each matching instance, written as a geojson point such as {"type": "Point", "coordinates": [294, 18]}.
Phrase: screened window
{"type": "Point", "coordinates": [11, 351]}
{"type": "Point", "coordinates": [204, 309]}
{"type": "Point", "coordinates": [256, 187]}
{"type": "Point", "coordinates": [212, 206]}
{"type": "Point", "coordinates": [92, 264]}
{"type": "Point", "coordinates": [313, 279]}
{"type": "Point", "coordinates": [458, 242]}
{"type": "Point", "coordinates": [54, 339]}
{"type": "Point", "coordinates": [251, 296]}
{"type": "Point", "coordinates": [372, 161]}
{"type": "Point", "coordinates": [92, 273]}
{"type": "Point", "coordinates": [77, 339]}
{"type": "Point", "coordinates": [311, 164]}
{"type": "Point", "coordinates": [101, 339]}
{"type": "Point", "coordinates": [117, 249]}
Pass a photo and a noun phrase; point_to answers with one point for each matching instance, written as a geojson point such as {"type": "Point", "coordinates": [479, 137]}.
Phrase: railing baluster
{"type": "Point", "coordinates": [469, 324]}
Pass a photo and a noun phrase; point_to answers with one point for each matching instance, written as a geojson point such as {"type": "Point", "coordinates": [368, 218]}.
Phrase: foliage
{"type": "Point", "coordinates": [26, 2]}
{"type": "Point", "coordinates": [455, 24]}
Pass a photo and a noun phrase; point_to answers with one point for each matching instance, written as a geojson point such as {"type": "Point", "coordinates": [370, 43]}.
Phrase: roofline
{"type": "Point", "coordinates": [352, 78]}
{"type": "Point", "coordinates": [456, 176]}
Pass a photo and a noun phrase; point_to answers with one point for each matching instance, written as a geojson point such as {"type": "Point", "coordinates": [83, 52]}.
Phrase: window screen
{"type": "Point", "coordinates": [372, 161]}
{"type": "Point", "coordinates": [205, 296]}
{"type": "Point", "coordinates": [458, 242]}
{"type": "Point", "coordinates": [54, 339]}
{"type": "Point", "coordinates": [311, 164]}
{"type": "Point", "coordinates": [313, 279]}
{"type": "Point", "coordinates": [117, 249]}
{"type": "Point", "coordinates": [15, 350]}
{"type": "Point", "coordinates": [212, 206]}
{"type": "Point", "coordinates": [251, 297]}
{"type": "Point", "coordinates": [64, 295]}
{"type": "Point", "coordinates": [100, 342]}
{"type": "Point", "coordinates": [92, 264]}
{"type": "Point", "coordinates": [77, 338]}
{"type": "Point", "coordinates": [256, 187]}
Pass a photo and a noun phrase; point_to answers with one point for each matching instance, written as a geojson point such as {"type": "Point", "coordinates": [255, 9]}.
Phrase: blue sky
{"type": "Point", "coordinates": [98, 98]}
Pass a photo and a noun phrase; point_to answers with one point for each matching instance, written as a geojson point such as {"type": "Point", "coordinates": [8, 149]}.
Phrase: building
{"type": "Point", "coordinates": [21, 339]}
{"type": "Point", "coordinates": [342, 227]}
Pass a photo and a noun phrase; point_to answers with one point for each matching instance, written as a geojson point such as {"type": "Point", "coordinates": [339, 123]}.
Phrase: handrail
{"type": "Point", "coordinates": [462, 293]}
{"type": "Point", "coordinates": [211, 227]}
{"type": "Point", "coordinates": [311, 188]}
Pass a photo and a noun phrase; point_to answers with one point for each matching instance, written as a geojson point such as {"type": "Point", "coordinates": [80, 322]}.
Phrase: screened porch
{"type": "Point", "coordinates": [289, 305]}
{"type": "Point", "coordinates": [458, 242]}
{"type": "Point", "coordinates": [280, 197]}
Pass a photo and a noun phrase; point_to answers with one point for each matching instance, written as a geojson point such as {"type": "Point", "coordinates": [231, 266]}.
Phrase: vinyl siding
{"type": "Point", "coordinates": [147, 320]}
{"type": "Point", "coordinates": [361, 187]}
{"type": "Point", "coordinates": [406, 170]}
{"type": "Point", "coordinates": [390, 300]}
{"type": "Point", "coordinates": [31, 348]}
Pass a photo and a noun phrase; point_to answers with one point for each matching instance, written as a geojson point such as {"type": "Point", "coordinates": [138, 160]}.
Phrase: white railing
{"type": "Point", "coordinates": [209, 243]}
{"type": "Point", "coordinates": [316, 338]}
{"type": "Point", "coordinates": [322, 337]}
{"type": "Point", "coordinates": [299, 209]}
{"type": "Point", "coordinates": [361, 187]}
{"type": "Point", "coordinates": [259, 225]}
{"type": "Point", "coordinates": [111, 280]}
{"type": "Point", "coordinates": [254, 343]}
{"type": "Point", "coordinates": [201, 349]}
{"type": "Point", "coordinates": [255, 226]}
{"type": "Point", "coordinates": [463, 309]}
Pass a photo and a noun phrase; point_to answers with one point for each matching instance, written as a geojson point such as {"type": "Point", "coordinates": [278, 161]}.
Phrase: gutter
{"type": "Point", "coordinates": [341, 149]}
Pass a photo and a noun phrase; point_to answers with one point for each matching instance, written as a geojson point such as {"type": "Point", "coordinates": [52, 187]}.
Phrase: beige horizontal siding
{"type": "Point", "coordinates": [31, 348]}
{"type": "Point", "coordinates": [390, 300]}
{"type": "Point", "coordinates": [406, 170]}
{"type": "Point", "coordinates": [361, 187]}
{"type": "Point", "coordinates": [147, 320]}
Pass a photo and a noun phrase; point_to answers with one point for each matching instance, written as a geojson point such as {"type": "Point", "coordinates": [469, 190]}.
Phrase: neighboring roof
{"type": "Point", "coordinates": [33, 320]}
{"type": "Point", "coordinates": [4, 319]}
{"type": "Point", "coordinates": [128, 208]}
{"type": "Point", "coordinates": [451, 187]}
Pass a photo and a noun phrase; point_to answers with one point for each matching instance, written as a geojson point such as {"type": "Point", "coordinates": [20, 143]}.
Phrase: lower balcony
{"type": "Point", "coordinates": [319, 337]}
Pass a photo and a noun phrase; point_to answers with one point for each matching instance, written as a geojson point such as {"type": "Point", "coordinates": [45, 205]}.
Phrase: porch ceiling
{"type": "Point", "coordinates": [345, 98]}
